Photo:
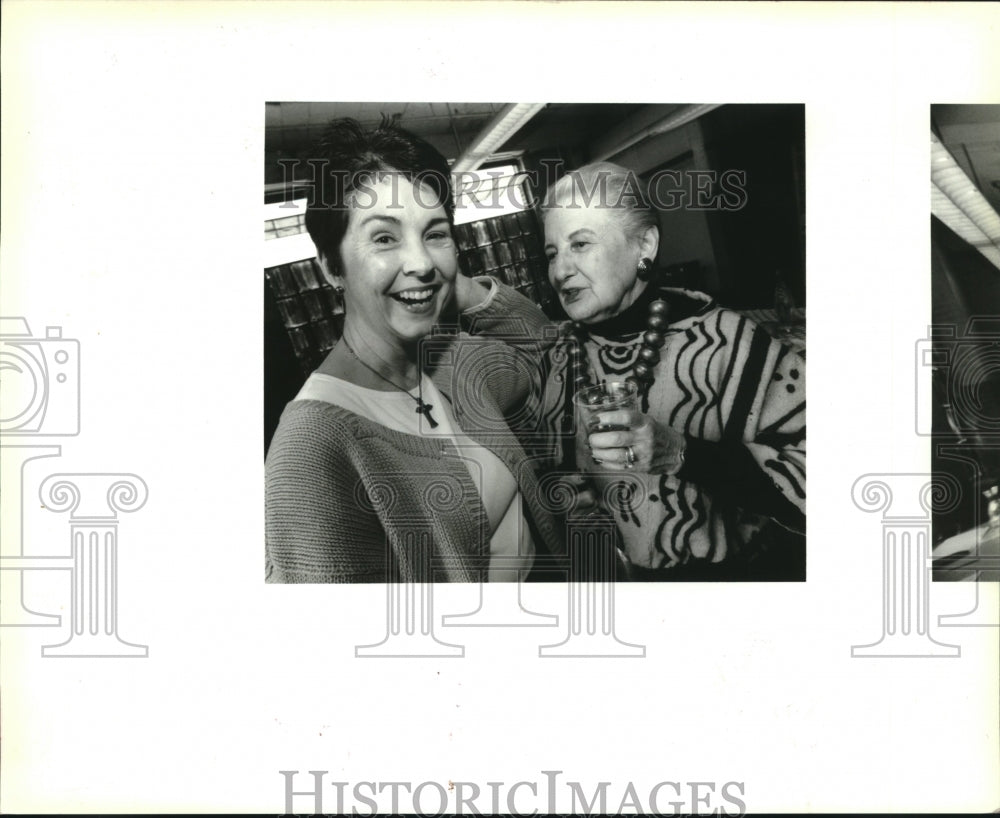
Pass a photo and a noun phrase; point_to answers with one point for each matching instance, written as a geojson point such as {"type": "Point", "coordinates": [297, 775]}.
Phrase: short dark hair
{"type": "Point", "coordinates": [347, 156]}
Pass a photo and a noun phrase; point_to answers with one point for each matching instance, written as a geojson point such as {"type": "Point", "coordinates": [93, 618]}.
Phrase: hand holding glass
{"type": "Point", "coordinates": [590, 404]}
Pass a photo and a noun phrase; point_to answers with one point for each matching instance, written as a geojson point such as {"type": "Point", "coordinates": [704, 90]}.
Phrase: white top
{"type": "Point", "coordinates": [511, 547]}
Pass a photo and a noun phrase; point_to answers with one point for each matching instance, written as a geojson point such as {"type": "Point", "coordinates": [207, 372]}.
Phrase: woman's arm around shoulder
{"type": "Point", "coordinates": [492, 309]}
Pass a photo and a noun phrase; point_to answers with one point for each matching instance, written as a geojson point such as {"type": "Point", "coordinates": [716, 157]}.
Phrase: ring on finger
{"type": "Point", "coordinates": [629, 457]}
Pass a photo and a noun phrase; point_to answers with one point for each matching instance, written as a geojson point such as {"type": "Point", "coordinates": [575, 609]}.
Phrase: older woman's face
{"type": "Point", "coordinates": [398, 260]}
{"type": "Point", "coordinates": [592, 264]}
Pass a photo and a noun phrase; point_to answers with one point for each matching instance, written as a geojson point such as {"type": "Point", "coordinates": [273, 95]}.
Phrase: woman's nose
{"type": "Point", "coordinates": [560, 269]}
{"type": "Point", "coordinates": [416, 260]}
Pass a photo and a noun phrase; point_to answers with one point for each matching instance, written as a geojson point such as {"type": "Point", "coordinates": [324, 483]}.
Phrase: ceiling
{"type": "Point", "coordinates": [972, 135]}
{"type": "Point", "coordinates": [290, 127]}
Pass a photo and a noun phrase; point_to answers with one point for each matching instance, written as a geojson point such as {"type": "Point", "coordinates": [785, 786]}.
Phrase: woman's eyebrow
{"type": "Point", "coordinates": [395, 221]}
{"type": "Point", "coordinates": [379, 218]}
{"type": "Point", "coordinates": [582, 231]}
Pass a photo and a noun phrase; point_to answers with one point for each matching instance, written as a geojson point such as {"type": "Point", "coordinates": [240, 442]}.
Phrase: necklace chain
{"type": "Point", "coordinates": [422, 408]}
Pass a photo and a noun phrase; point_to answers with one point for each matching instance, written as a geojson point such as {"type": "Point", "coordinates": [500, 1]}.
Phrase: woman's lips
{"type": "Point", "coordinates": [570, 295]}
{"type": "Point", "coordinates": [418, 299]}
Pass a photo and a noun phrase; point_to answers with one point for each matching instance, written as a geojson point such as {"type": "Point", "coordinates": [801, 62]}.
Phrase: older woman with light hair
{"type": "Point", "coordinates": [710, 467]}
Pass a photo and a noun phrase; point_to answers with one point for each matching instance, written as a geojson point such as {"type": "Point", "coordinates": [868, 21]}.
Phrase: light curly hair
{"type": "Point", "coordinates": [605, 184]}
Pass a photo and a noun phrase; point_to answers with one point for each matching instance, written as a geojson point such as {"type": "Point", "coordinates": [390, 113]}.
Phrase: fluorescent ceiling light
{"type": "Point", "coordinates": [288, 249]}
{"type": "Point", "coordinates": [957, 202]}
{"type": "Point", "coordinates": [495, 134]}
{"type": "Point", "coordinates": [282, 210]}
{"type": "Point", "coordinates": [683, 116]}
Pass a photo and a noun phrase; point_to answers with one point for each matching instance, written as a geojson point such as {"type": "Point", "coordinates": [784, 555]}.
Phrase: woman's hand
{"type": "Point", "coordinates": [585, 498]}
{"type": "Point", "coordinates": [469, 293]}
{"type": "Point", "coordinates": [654, 448]}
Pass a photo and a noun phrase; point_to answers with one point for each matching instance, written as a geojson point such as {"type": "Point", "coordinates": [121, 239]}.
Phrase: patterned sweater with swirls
{"type": "Point", "coordinates": [736, 393]}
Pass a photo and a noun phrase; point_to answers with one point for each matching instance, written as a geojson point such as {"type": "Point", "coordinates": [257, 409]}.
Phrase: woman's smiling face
{"type": "Point", "coordinates": [398, 261]}
{"type": "Point", "coordinates": [592, 263]}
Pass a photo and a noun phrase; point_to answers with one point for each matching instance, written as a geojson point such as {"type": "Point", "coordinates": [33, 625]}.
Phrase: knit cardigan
{"type": "Point", "coordinates": [350, 500]}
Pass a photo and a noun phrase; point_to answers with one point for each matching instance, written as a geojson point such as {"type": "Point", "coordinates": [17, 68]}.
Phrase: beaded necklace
{"type": "Point", "coordinates": [643, 375]}
{"type": "Point", "coordinates": [644, 371]}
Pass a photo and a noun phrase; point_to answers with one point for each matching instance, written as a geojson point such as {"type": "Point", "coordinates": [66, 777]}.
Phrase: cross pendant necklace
{"type": "Point", "coordinates": [422, 408]}
{"type": "Point", "coordinates": [425, 410]}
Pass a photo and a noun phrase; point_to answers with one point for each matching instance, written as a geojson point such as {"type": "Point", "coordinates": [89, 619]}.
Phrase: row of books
{"type": "Point", "coordinates": [310, 310]}
{"type": "Point", "coordinates": [498, 228]}
{"type": "Point", "coordinates": [298, 277]}
{"type": "Point", "coordinates": [312, 342]}
{"type": "Point", "coordinates": [508, 247]}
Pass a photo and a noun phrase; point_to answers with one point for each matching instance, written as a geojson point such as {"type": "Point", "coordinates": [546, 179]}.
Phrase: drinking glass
{"type": "Point", "coordinates": [593, 401]}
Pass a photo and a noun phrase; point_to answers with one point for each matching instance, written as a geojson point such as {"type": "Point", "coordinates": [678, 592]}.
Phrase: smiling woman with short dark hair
{"type": "Point", "coordinates": [391, 464]}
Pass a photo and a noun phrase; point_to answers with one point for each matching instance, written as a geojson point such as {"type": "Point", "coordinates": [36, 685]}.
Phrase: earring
{"type": "Point", "coordinates": [645, 269]}
{"type": "Point", "coordinates": [339, 290]}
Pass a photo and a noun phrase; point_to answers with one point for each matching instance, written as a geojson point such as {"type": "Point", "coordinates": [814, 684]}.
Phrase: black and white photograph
{"type": "Point", "coordinates": [625, 288]}
{"type": "Point", "coordinates": [960, 357]}
{"type": "Point", "coordinates": [471, 479]}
